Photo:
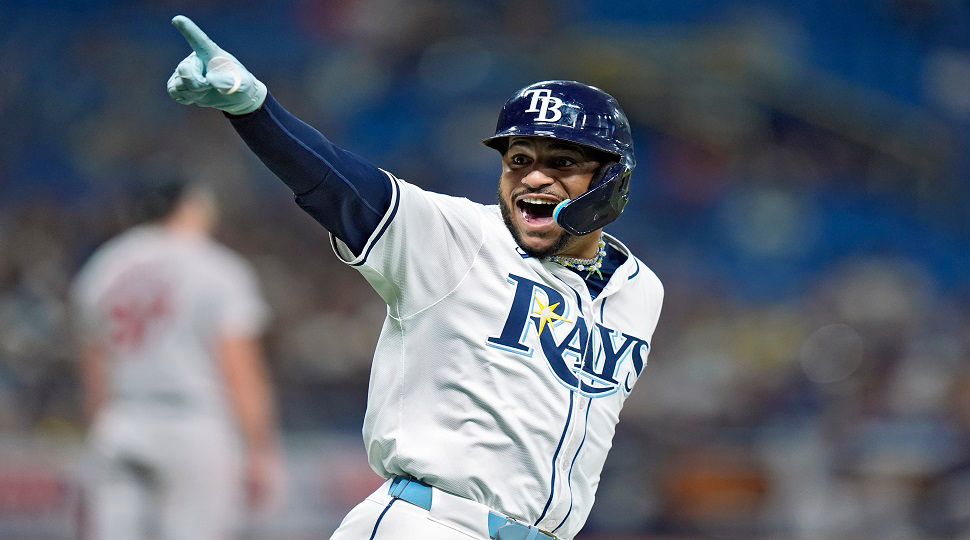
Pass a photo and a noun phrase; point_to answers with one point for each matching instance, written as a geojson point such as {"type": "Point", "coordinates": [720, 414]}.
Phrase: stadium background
{"type": "Point", "coordinates": [802, 191]}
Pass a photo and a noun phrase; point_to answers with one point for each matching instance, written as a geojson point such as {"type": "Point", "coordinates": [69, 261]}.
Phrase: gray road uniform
{"type": "Point", "coordinates": [165, 449]}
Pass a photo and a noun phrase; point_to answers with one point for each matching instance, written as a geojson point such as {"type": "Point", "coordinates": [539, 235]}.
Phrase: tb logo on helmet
{"type": "Point", "coordinates": [549, 104]}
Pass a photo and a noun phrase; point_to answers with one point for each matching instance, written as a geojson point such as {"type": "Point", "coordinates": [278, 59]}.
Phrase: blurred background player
{"type": "Point", "coordinates": [176, 393]}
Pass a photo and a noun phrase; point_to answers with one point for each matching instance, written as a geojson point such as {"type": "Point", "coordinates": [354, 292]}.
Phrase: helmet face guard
{"type": "Point", "coordinates": [583, 115]}
{"type": "Point", "coordinates": [601, 205]}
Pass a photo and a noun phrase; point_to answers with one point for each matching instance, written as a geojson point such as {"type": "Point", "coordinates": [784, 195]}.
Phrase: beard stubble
{"type": "Point", "coordinates": [555, 248]}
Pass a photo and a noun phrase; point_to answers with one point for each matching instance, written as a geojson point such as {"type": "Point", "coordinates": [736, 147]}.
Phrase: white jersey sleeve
{"type": "Point", "coordinates": [421, 250]}
{"type": "Point", "coordinates": [238, 306]}
{"type": "Point", "coordinates": [88, 325]}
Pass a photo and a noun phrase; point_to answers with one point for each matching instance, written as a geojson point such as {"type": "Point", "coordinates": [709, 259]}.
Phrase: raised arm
{"type": "Point", "coordinates": [344, 193]}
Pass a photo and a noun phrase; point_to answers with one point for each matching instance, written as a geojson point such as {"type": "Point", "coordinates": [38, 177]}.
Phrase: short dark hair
{"type": "Point", "coordinates": [156, 199]}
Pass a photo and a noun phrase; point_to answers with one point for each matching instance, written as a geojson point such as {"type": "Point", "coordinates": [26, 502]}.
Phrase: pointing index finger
{"type": "Point", "coordinates": [204, 47]}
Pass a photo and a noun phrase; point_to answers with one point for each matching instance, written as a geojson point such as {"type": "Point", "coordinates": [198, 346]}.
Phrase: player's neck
{"type": "Point", "coordinates": [186, 226]}
{"type": "Point", "coordinates": [584, 247]}
{"type": "Point", "coordinates": [193, 218]}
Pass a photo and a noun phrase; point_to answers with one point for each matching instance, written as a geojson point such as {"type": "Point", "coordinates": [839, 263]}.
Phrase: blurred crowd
{"type": "Point", "coordinates": [802, 194]}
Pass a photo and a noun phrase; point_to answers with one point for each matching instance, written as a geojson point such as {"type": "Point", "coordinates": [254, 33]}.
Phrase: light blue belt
{"type": "Point", "coordinates": [499, 527]}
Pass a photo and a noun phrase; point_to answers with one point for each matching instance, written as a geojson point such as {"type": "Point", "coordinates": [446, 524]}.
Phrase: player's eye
{"type": "Point", "coordinates": [519, 159]}
{"type": "Point", "coordinates": [563, 162]}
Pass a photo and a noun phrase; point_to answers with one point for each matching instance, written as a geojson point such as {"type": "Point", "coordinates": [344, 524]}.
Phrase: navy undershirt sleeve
{"type": "Point", "coordinates": [344, 193]}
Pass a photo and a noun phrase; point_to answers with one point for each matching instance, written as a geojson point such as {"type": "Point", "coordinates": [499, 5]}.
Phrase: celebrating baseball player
{"type": "Point", "coordinates": [514, 333]}
{"type": "Point", "coordinates": [182, 428]}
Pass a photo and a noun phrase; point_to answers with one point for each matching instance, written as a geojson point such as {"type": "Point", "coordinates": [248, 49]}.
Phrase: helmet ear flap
{"type": "Point", "coordinates": [625, 182]}
{"type": "Point", "coordinates": [600, 175]}
{"type": "Point", "coordinates": [598, 207]}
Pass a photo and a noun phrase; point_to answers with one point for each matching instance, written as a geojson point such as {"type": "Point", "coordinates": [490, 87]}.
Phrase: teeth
{"type": "Point", "coordinates": [531, 200]}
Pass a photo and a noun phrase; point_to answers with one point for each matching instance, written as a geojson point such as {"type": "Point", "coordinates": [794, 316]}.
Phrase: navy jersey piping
{"type": "Point", "coordinates": [555, 456]}
{"type": "Point", "coordinates": [387, 223]}
{"type": "Point", "coordinates": [637, 271]}
{"type": "Point", "coordinates": [379, 518]}
{"type": "Point", "coordinates": [382, 227]}
{"type": "Point", "coordinates": [569, 476]}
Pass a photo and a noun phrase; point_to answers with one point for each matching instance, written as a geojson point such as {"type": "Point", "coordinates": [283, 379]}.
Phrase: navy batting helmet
{"type": "Point", "coordinates": [584, 115]}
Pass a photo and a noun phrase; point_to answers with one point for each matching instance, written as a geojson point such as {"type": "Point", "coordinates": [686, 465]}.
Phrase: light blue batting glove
{"type": "Point", "coordinates": [211, 77]}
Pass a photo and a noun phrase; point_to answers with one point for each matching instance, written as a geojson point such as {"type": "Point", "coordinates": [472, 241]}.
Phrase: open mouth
{"type": "Point", "coordinates": [536, 211]}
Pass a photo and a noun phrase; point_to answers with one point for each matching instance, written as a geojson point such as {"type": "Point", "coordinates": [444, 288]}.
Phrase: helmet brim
{"type": "Point", "coordinates": [500, 141]}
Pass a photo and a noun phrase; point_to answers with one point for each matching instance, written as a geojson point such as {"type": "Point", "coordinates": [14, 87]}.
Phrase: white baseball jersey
{"type": "Point", "coordinates": [497, 377]}
{"type": "Point", "coordinates": [159, 301]}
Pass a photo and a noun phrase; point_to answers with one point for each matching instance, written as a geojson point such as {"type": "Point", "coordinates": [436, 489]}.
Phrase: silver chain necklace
{"type": "Point", "coordinates": [593, 264]}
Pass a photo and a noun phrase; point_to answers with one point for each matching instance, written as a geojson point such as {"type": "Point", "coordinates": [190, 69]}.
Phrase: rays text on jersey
{"type": "Point", "coordinates": [595, 362]}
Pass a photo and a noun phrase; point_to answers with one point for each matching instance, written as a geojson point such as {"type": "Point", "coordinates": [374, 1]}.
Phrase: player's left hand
{"type": "Point", "coordinates": [211, 77]}
{"type": "Point", "coordinates": [264, 480]}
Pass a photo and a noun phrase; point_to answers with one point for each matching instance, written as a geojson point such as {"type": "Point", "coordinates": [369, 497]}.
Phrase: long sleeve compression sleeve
{"type": "Point", "coordinates": [344, 193]}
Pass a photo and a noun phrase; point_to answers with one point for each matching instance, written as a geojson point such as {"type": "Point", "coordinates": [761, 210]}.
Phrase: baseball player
{"type": "Point", "coordinates": [514, 332]}
{"type": "Point", "coordinates": [175, 389]}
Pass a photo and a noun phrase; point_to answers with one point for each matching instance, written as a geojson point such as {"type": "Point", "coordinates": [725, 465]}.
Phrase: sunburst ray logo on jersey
{"type": "Point", "coordinates": [547, 314]}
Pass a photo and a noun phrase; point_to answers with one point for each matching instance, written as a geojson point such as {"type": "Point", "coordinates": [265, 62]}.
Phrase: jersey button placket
{"type": "Point", "coordinates": [563, 496]}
